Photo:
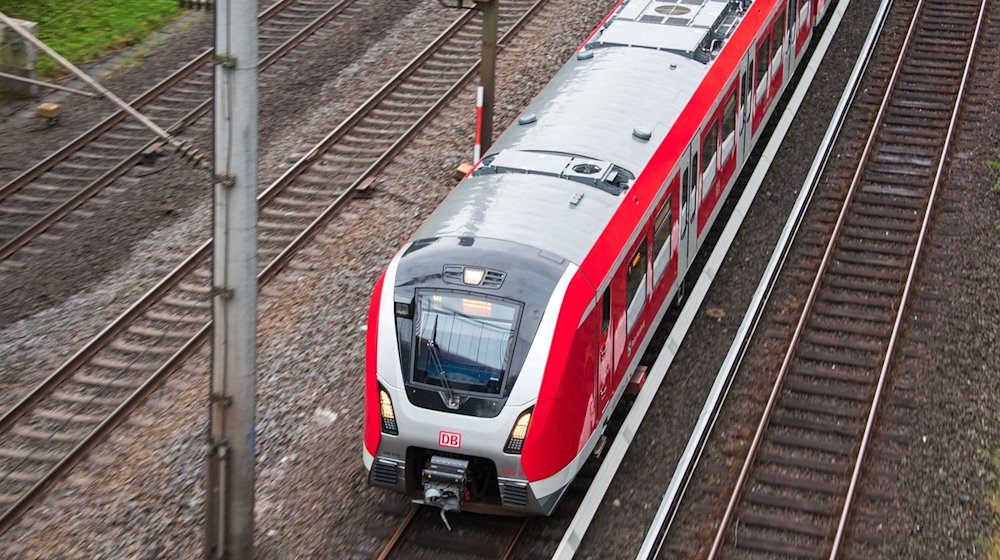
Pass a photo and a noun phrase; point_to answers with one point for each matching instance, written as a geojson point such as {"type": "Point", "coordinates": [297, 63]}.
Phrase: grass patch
{"type": "Point", "coordinates": [84, 31]}
{"type": "Point", "coordinates": [995, 166]}
{"type": "Point", "coordinates": [139, 53]}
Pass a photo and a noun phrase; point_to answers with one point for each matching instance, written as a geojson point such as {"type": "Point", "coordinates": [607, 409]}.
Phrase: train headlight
{"type": "Point", "coordinates": [473, 276]}
{"type": "Point", "coordinates": [517, 434]}
{"type": "Point", "coordinates": [388, 414]}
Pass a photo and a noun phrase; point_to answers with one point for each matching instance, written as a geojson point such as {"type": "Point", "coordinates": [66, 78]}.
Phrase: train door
{"type": "Point", "coordinates": [636, 300]}
{"type": "Point", "coordinates": [746, 107]}
{"type": "Point", "coordinates": [781, 62]}
{"type": "Point", "coordinates": [606, 351]}
{"type": "Point", "coordinates": [788, 23]}
{"type": "Point", "coordinates": [793, 28]}
{"type": "Point", "coordinates": [688, 243]}
{"type": "Point", "coordinates": [761, 59]}
{"type": "Point", "coordinates": [802, 24]}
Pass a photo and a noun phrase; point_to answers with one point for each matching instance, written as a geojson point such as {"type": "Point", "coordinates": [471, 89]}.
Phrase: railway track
{"type": "Point", "coordinates": [53, 188]}
{"type": "Point", "coordinates": [422, 534]}
{"type": "Point", "coordinates": [55, 424]}
{"type": "Point", "coordinates": [798, 482]}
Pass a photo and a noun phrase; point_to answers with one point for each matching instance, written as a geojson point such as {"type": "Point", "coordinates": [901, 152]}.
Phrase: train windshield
{"type": "Point", "coordinates": [463, 341]}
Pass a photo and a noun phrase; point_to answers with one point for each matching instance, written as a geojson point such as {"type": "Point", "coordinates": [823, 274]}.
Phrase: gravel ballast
{"type": "Point", "coordinates": [140, 494]}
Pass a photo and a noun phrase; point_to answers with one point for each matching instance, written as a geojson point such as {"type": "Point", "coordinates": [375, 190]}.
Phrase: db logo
{"type": "Point", "coordinates": [448, 439]}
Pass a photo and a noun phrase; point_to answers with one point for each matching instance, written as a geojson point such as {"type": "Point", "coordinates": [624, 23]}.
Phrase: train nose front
{"type": "Point", "coordinates": [464, 469]}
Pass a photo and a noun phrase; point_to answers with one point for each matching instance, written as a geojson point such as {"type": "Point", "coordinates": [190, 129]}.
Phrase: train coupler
{"type": "Point", "coordinates": [446, 484]}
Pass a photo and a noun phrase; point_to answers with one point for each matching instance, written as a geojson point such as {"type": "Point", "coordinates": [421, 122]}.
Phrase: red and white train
{"type": "Point", "coordinates": [503, 334]}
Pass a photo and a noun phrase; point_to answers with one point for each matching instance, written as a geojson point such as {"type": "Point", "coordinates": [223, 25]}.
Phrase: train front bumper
{"type": "Point", "coordinates": [509, 496]}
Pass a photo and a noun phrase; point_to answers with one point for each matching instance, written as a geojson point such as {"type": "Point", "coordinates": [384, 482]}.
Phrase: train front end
{"type": "Point", "coordinates": [453, 369]}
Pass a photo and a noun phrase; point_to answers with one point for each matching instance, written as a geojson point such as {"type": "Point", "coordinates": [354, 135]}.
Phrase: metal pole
{"type": "Point", "coordinates": [229, 502]}
{"type": "Point", "coordinates": [488, 66]}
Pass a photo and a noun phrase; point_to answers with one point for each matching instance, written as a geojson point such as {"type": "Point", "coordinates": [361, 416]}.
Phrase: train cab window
{"type": "Point", "coordinates": [763, 56]}
{"type": "Point", "coordinates": [709, 151]}
{"type": "Point", "coordinates": [777, 41]}
{"type": "Point", "coordinates": [635, 285]}
{"type": "Point", "coordinates": [463, 342]}
{"type": "Point", "coordinates": [662, 230]}
{"type": "Point", "coordinates": [606, 310]}
{"type": "Point", "coordinates": [729, 126]}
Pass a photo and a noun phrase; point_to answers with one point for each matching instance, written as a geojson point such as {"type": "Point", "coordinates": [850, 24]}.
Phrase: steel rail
{"type": "Point", "coordinates": [814, 290]}
{"type": "Point", "coordinates": [690, 460]}
{"type": "Point", "coordinates": [118, 116]}
{"type": "Point", "coordinates": [397, 535]}
{"type": "Point", "coordinates": [204, 251]}
{"type": "Point", "coordinates": [509, 552]}
{"type": "Point", "coordinates": [355, 117]}
{"type": "Point", "coordinates": [719, 538]}
{"type": "Point", "coordinates": [406, 524]}
{"type": "Point", "coordinates": [25, 405]}
{"type": "Point", "coordinates": [36, 171]}
{"type": "Point", "coordinates": [911, 276]}
{"type": "Point", "coordinates": [97, 185]}
{"type": "Point", "coordinates": [272, 269]}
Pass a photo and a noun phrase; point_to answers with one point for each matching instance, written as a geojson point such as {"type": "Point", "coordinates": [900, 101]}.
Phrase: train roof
{"type": "Point", "coordinates": [693, 28]}
{"type": "Point", "coordinates": [606, 111]}
{"type": "Point", "coordinates": [593, 106]}
{"type": "Point", "coordinates": [524, 209]}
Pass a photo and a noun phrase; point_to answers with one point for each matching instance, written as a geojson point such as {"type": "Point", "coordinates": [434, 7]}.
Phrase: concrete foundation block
{"type": "Point", "coordinates": [19, 57]}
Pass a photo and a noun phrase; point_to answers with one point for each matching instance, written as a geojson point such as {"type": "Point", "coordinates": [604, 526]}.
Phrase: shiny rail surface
{"type": "Point", "coordinates": [795, 489]}
{"type": "Point", "coordinates": [422, 534]}
{"type": "Point", "coordinates": [48, 192]}
{"type": "Point", "coordinates": [50, 429]}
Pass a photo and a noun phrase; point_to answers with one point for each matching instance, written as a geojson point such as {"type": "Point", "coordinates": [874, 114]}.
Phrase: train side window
{"type": "Point", "coordinates": [606, 310]}
{"type": "Point", "coordinates": [662, 230]}
{"type": "Point", "coordinates": [763, 55]}
{"type": "Point", "coordinates": [709, 151]}
{"type": "Point", "coordinates": [793, 13]}
{"type": "Point", "coordinates": [635, 285]}
{"type": "Point", "coordinates": [729, 126]}
{"type": "Point", "coordinates": [777, 40]}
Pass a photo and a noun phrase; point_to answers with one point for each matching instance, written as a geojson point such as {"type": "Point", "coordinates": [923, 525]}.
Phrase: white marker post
{"type": "Point", "coordinates": [477, 151]}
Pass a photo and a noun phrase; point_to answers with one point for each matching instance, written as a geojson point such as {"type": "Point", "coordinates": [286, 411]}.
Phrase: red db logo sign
{"type": "Point", "coordinates": [449, 439]}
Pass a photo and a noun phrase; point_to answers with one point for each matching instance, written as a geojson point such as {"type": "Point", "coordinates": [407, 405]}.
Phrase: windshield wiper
{"type": "Point", "coordinates": [453, 399]}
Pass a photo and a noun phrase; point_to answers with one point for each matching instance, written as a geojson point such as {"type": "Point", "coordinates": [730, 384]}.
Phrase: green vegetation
{"type": "Point", "coordinates": [993, 546]}
{"type": "Point", "coordinates": [83, 31]}
{"type": "Point", "coordinates": [995, 166]}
